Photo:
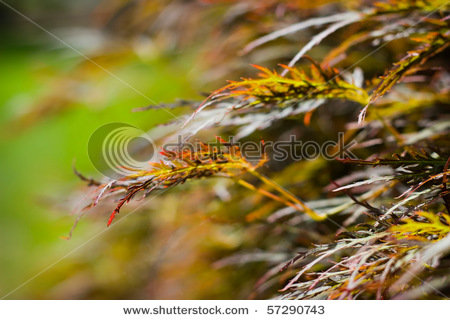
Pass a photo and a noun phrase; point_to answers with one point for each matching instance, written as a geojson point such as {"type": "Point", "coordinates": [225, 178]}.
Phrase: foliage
{"type": "Point", "coordinates": [366, 233]}
{"type": "Point", "coordinates": [178, 167]}
{"type": "Point", "coordinates": [281, 91]}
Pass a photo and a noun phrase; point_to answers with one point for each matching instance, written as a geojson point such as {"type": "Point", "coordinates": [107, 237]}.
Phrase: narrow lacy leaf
{"type": "Point", "coordinates": [179, 166]}
{"type": "Point", "coordinates": [434, 43]}
{"type": "Point", "coordinates": [422, 226]}
{"type": "Point", "coordinates": [272, 88]}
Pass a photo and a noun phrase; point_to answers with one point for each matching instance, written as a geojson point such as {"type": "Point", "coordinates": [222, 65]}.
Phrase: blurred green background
{"type": "Point", "coordinates": [51, 102]}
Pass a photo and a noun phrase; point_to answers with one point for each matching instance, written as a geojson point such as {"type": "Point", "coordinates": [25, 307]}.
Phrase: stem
{"type": "Point", "coordinates": [392, 130]}
{"type": "Point", "coordinates": [268, 194]}
{"type": "Point", "coordinates": [314, 215]}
